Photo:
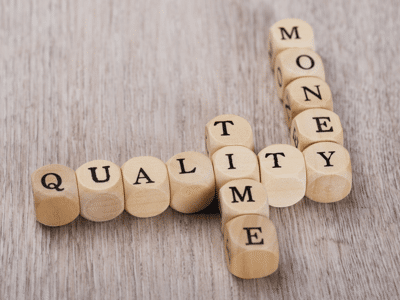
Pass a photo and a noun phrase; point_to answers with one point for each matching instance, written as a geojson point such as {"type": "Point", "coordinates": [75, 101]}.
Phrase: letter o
{"type": "Point", "coordinates": [279, 76]}
{"type": "Point", "coordinates": [312, 63]}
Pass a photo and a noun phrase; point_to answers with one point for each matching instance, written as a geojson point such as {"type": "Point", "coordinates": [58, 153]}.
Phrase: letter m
{"type": "Point", "coordinates": [294, 31]}
{"type": "Point", "coordinates": [247, 190]}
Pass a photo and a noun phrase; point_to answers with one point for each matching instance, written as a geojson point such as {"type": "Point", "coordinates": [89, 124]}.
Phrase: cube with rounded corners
{"type": "Point", "coordinates": [251, 246]}
{"type": "Point", "coordinates": [234, 162]}
{"type": "Point", "coordinates": [296, 63]}
{"type": "Point", "coordinates": [289, 33]}
{"type": "Point", "coordinates": [146, 186]}
{"type": "Point", "coordinates": [192, 181]}
{"type": "Point", "coordinates": [55, 192]}
{"type": "Point", "coordinates": [101, 190]}
{"type": "Point", "coordinates": [329, 175]}
{"type": "Point", "coordinates": [228, 130]}
{"type": "Point", "coordinates": [314, 126]}
{"type": "Point", "coordinates": [242, 197]}
{"type": "Point", "coordinates": [283, 174]}
{"type": "Point", "coordinates": [306, 93]}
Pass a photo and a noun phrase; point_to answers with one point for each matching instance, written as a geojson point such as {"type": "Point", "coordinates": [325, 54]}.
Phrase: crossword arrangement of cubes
{"type": "Point", "coordinates": [316, 165]}
{"type": "Point", "coordinates": [145, 186]}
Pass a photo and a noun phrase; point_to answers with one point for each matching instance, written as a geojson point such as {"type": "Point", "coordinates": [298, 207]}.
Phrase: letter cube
{"type": "Point", "coordinates": [101, 190]}
{"type": "Point", "coordinates": [251, 246]}
{"type": "Point", "coordinates": [55, 193]}
{"type": "Point", "coordinates": [283, 174]}
{"type": "Point", "coordinates": [242, 197]}
{"type": "Point", "coordinates": [329, 175]}
{"type": "Point", "coordinates": [295, 63]}
{"type": "Point", "coordinates": [192, 181]}
{"type": "Point", "coordinates": [305, 93]}
{"type": "Point", "coordinates": [315, 125]}
{"type": "Point", "coordinates": [289, 33]}
{"type": "Point", "coordinates": [234, 162]}
{"type": "Point", "coordinates": [228, 130]}
{"type": "Point", "coordinates": [146, 186]}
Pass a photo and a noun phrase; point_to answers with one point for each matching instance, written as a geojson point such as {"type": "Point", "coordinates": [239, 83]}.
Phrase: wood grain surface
{"type": "Point", "coordinates": [85, 80]}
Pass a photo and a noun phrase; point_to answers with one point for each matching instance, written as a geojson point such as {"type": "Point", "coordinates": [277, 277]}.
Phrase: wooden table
{"type": "Point", "coordinates": [85, 80]}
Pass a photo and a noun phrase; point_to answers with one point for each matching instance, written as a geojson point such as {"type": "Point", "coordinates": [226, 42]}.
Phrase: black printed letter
{"type": "Point", "coordinates": [224, 130]}
{"type": "Point", "coordinates": [294, 30]}
{"type": "Point", "coordinates": [141, 171]}
{"type": "Point", "coordinates": [276, 165]}
{"type": "Point", "coordinates": [52, 186]}
{"type": "Point", "coordinates": [230, 161]}
{"type": "Point", "coordinates": [319, 124]}
{"type": "Point", "coordinates": [279, 76]}
{"type": "Point", "coordinates": [235, 192]}
{"type": "Point", "coordinates": [287, 109]}
{"type": "Point", "coordinates": [183, 167]}
{"type": "Point", "coordinates": [327, 159]}
{"type": "Point", "coordinates": [94, 176]}
{"type": "Point", "coordinates": [318, 95]}
{"type": "Point", "coordinates": [312, 63]}
{"type": "Point", "coordinates": [249, 236]}
{"type": "Point", "coordinates": [295, 138]}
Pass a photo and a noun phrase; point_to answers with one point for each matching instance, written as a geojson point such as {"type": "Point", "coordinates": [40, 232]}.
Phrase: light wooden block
{"type": "Point", "coordinates": [228, 130]}
{"type": "Point", "coordinates": [101, 190]}
{"type": "Point", "coordinates": [329, 175]}
{"type": "Point", "coordinates": [289, 33]}
{"type": "Point", "coordinates": [283, 174]}
{"type": "Point", "coordinates": [192, 181]}
{"type": "Point", "coordinates": [55, 193]}
{"type": "Point", "coordinates": [242, 197]}
{"type": "Point", "coordinates": [294, 63]}
{"type": "Point", "coordinates": [306, 93]}
{"type": "Point", "coordinates": [234, 162]}
{"type": "Point", "coordinates": [146, 186]}
{"type": "Point", "coordinates": [314, 126]}
{"type": "Point", "coordinates": [251, 246]}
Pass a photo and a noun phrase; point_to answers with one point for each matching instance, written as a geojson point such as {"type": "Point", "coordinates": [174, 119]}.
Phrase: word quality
{"type": "Point", "coordinates": [315, 165]}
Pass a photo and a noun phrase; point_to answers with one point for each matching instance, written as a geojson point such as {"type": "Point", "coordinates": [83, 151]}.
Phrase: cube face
{"type": "Point", "coordinates": [101, 190]}
{"type": "Point", "coordinates": [289, 33]}
{"type": "Point", "coordinates": [306, 93]}
{"type": "Point", "coordinates": [55, 193]}
{"type": "Point", "coordinates": [251, 246]}
{"type": "Point", "coordinates": [228, 130]}
{"type": "Point", "coordinates": [242, 197]}
{"type": "Point", "coordinates": [146, 186]}
{"type": "Point", "coordinates": [314, 126]}
{"type": "Point", "coordinates": [329, 175]}
{"type": "Point", "coordinates": [283, 174]}
{"type": "Point", "coordinates": [296, 63]}
{"type": "Point", "coordinates": [234, 162]}
{"type": "Point", "coordinates": [192, 181]}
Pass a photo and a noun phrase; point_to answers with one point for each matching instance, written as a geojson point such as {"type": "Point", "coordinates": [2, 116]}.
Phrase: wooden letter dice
{"type": "Point", "coordinates": [295, 63]}
{"type": "Point", "coordinates": [234, 162]}
{"type": "Point", "coordinates": [251, 246]}
{"type": "Point", "coordinates": [315, 125]}
{"type": "Point", "coordinates": [228, 130]}
{"type": "Point", "coordinates": [329, 175]}
{"type": "Point", "coordinates": [289, 33]}
{"type": "Point", "coordinates": [242, 197]}
{"type": "Point", "coordinates": [55, 193]}
{"type": "Point", "coordinates": [283, 174]}
{"type": "Point", "coordinates": [101, 190]}
{"type": "Point", "coordinates": [305, 93]}
{"type": "Point", "coordinates": [146, 186]}
{"type": "Point", "coordinates": [192, 181]}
